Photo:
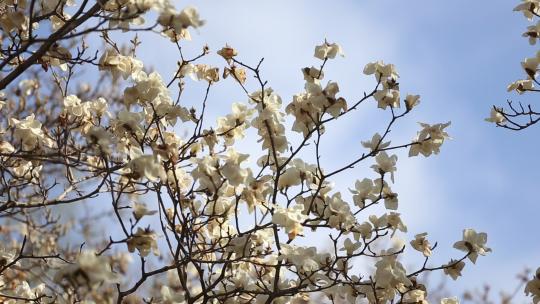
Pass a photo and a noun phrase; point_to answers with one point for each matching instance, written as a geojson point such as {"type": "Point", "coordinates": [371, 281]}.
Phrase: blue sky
{"type": "Point", "coordinates": [458, 55]}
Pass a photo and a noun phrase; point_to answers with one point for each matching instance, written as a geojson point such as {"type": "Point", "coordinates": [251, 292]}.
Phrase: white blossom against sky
{"type": "Point", "coordinates": [458, 55]}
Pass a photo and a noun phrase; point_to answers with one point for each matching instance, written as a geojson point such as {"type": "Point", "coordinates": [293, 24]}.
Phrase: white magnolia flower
{"type": "Point", "coordinates": [364, 190]}
{"type": "Point", "coordinates": [381, 70]}
{"type": "Point", "coordinates": [98, 107]}
{"type": "Point", "coordinates": [238, 73]}
{"type": "Point", "coordinates": [144, 165]}
{"type": "Point", "coordinates": [179, 22]}
{"type": "Point", "coordinates": [387, 98]}
{"type": "Point", "coordinates": [412, 101]}
{"type": "Point", "coordinates": [495, 116]}
{"type": "Point", "coordinates": [148, 89]}
{"type": "Point", "coordinates": [100, 137]}
{"type": "Point", "coordinates": [533, 32]}
{"type": "Point", "coordinates": [328, 51]}
{"type": "Point", "coordinates": [306, 259]}
{"type": "Point", "coordinates": [269, 121]}
{"type": "Point", "coordinates": [395, 222]}
{"type": "Point", "coordinates": [421, 244]}
{"type": "Point", "coordinates": [222, 206]}
{"type": "Point", "coordinates": [227, 53]}
{"type": "Point", "coordinates": [529, 8]}
{"type": "Point", "coordinates": [232, 171]}
{"type": "Point", "coordinates": [27, 170]}
{"type": "Point", "coordinates": [350, 247]}
{"type": "Point", "coordinates": [144, 240]}
{"type": "Point", "coordinates": [312, 74]}
{"type": "Point", "coordinates": [140, 210]}
{"type": "Point", "coordinates": [28, 131]}
{"type": "Point", "coordinates": [74, 107]}
{"type": "Point", "coordinates": [291, 177]}
{"type": "Point", "coordinates": [206, 72]}
{"type": "Point", "coordinates": [375, 143]}
{"type": "Point", "coordinates": [521, 86]}
{"type": "Point", "coordinates": [290, 218]}
{"type": "Point", "coordinates": [429, 140]}
{"type": "Point", "coordinates": [390, 198]}
{"type": "Point", "coordinates": [190, 17]}
{"type": "Point", "coordinates": [206, 173]}
{"type": "Point", "coordinates": [415, 296]}
{"type": "Point", "coordinates": [232, 127]}
{"type": "Point", "coordinates": [474, 243]}
{"type": "Point", "coordinates": [129, 123]}
{"type": "Point", "coordinates": [57, 22]}
{"type": "Point", "coordinates": [454, 268]}
{"type": "Point", "coordinates": [385, 164]}
{"type": "Point", "coordinates": [119, 65]}
{"type": "Point", "coordinates": [88, 270]}
{"type": "Point", "coordinates": [364, 230]}
{"type": "Point", "coordinates": [530, 65]}
{"type": "Point", "coordinates": [179, 180]}
{"type": "Point", "coordinates": [338, 212]}
{"type": "Point", "coordinates": [390, 273]}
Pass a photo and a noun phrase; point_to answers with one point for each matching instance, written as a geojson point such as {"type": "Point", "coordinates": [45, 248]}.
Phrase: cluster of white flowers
{"type": "Point", "coordinates": [390, 274]}
{"type": "Point", "coordinates": [269, 120]}
{"type": "Point", "coordinates": [145, 165]}
{"type": "Point", "coordinates": [391, 220]}
{"type": "Point", "coordinates": [374, 190]}
{"type": "Point", "coordinates": [151, 93]}
{"type": "Point", "coordinates": [309, 107]}
{"type": "Point", "coordinates": [232, 170]}
{"type": "Point", "coordinates": [386, 76]}
{"type": "Point", "coordinates": [119, 65]}
{"type": "Point", "coordinates": [144, 240]}
{"type": "Point", "coordinates": [297, 173]}
{"type": "Point", "coordinates": [88, 270]}
{"type": "Point", "coordinates": [127, 13]}
{"type": "Point", "coordinates": [233, 125]}
{"type": "Point", "coordinates": [328, 51]}
{"type": "Point", "coordinates": [84, 114]}
{"type": "Point", "coordinates": [29, 133]}
{"type": "Point", "coordinates": [429, 140]}
{"type": "Point", "coordinates": [15, 21]}
{"type": "Point", "coordinates": [22, 291]}
{"type": "Point", "coordinates": [175, 23]}
{"type": "Point", "coordinates": [206, 173]}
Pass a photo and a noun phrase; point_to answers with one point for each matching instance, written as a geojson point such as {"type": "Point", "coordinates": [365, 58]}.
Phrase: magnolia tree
{"type": "Point", "coordinates": [192, 219]}
{"type": "Point", "coordinates": [519, 117]}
